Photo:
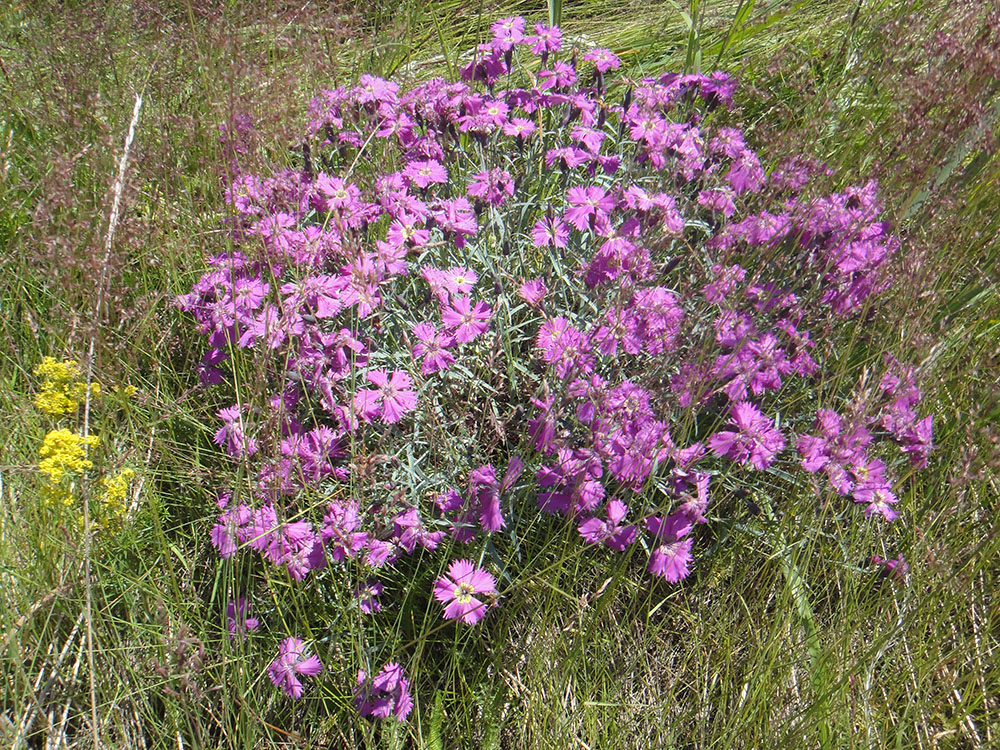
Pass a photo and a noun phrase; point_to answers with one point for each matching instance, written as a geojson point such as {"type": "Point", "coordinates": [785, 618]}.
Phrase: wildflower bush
{"type": "Point", "coordinates": [65, 455]}
{"type": "Point", "coordinates": [543, 290]}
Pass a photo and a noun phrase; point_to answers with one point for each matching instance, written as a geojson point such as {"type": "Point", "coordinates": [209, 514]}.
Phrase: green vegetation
{"type": "Point", "coordinates": [783, 637]}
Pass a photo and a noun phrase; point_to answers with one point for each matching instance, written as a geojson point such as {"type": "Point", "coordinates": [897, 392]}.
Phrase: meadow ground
{"type": "Point", "coordinates": [784, 636]}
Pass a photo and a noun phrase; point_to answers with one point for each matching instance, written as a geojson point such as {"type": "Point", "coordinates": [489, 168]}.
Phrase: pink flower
{"type": "Point", "coordinates": [237, 614]}
{"type": "Point", "coordinates": [423, 173]}
{"type": "Point", "coordinates": [670, 559]}
{"type": "Point", "coordinates": [367, 595]}
{"type": "Point", "coordinates": [756, 441]}
{"type": "Point", "coordinates": [532, 292]}
{"type": "Point", "coordinates": [391, 400]}
{"type": "Point", "coordinates": [460, 280]}
{"type": "Point", "coordinates": [547, 39]}
{"type": "Point", "coordinates": [610, 533]}
{"type": "Point", "coordinates": [519, 127]}
{"type": "Point", "coordinates": [589, 206]}
{"type": "Point", "coordinates": [465, 320]}
{"type": "Point", "coordinates": [603, 59]}
{"type": "Point", "coordinates": [550, 231]}
{"type": "Point", "coordinates": [507, 32]}
{"type": "Point", "coordinates": [292, 661]}
{"type": "Point", "coordinates": [386, 694]}
{"type": "Point", "coordinates": [493, 186]}
{"type": "Point", "coordinates": [458, 591]}
{"type": "Point", "coordinates": [896, 569]}
{"type": "Point", "coordinates": [433, 347]}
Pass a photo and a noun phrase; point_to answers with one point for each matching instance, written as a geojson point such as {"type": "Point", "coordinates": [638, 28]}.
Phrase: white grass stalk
{"type": "Point", "coordinates": [101, 291]}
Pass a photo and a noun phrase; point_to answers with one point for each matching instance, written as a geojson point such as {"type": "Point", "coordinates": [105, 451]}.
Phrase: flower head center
{"type": "Point", "coordinates": [463, 593]}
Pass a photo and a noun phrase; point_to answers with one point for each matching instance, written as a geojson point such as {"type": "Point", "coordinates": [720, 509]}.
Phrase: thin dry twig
{"type": "Point", "coordinates": [101, 291]}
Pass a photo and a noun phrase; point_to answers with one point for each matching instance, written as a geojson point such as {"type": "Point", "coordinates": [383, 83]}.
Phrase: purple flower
{"type": "Point", "coordinates": [879, 498]}
{"type": "Point", "coordinates": [433, 347]}
{"type": "Point", "coordinates": [485, 488]}
{"type": "Point", "coordinates": [562, 74]}
{"type": "Point", "coordinates": [458, 591]}
{"type": "Point", "coordinates": [367, 595]}
{"type": "Point", "coordinates": [239, 622]}
{"type": "Point", "coordinates": [507, 32]}
{"type": "Point", "coordinates": [340, 530]}
{"type": "Point", "coordinates": [589, 206]}
{"type": "Point", "coordinates": [230, 531]}
{"type": "Point", "coordinates": [896, 569]}
{"type": "Point", "coordinates": [671, 557]}
{"type": "Point", "coordinates": [391, 400]}
{"type": "Point", "coordinates": [410, 532]}
{"type": "Point", "coordinates": [465, 320]}
{"type": "Point", "coordinates": [232, 434]}
{"type": "Point", "coordinates": [423, 173]}
{"type": "Point", "coordinates": [755, 441]}
{"type": "Point", "coordinates": [293, 661]}
{"type": "Point", "coordinates": [493, 186]}
{"type": "Point", "coordinates": [519, 127]}
{"type": "Point", "coordinates": [387, 694]}
{"type": "Point", "coordinates": [550, 231]}
{"type": "Point", "coordinates": [460, 280]}
{"type": "Point", "coordinates": [532, 292]}
{"type": "Point", "coordinates": [610, 533]}
{"type": "Point", "coordinates": [603, 59]}
{"type": "Point", "coordinates": [547, 39]}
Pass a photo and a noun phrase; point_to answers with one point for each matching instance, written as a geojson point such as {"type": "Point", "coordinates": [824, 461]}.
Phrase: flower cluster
{"type": "Point", "coordinates": [115, 491]}
{"type": "Point", "coordinates": [61, 390]}
{"type": "Point", "coordinates": [614, 261]}
{"type": "Point", "coordinates": [63, 458]}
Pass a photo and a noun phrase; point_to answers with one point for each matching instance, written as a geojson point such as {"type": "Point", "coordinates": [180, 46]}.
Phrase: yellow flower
{"type": "Point", "coordinates": [64, 454]}
{"type": "Point", "coordinates": [115, 490]}
{"type": "Point", "coordinates": [61, 392]}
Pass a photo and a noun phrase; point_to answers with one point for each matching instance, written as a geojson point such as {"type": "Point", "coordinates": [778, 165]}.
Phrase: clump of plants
{"type": "Point", "coordinates": [65, 457]}
{"type": "Point", "coordinates": [542, 289]}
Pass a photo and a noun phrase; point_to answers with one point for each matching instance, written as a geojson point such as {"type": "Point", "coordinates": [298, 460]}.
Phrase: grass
{"type": "Point", "coordinates": [782, 638]}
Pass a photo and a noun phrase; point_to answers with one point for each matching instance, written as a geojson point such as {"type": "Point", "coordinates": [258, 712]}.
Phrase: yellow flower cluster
{"type": "Point", "coordinates": [115, 490]}
{"type": "Point", "coordinates": [61, 391]}
{"type": "Point", "coordinates": [64, 454]}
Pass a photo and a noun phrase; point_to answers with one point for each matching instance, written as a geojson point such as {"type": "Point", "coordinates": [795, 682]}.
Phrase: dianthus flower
{"type": "Point", "coordinates": [493, 186]}
{"type": "Point", "coordinates": [293, 661]}
{"type": "Point", "coordinates": [532, 292]}
{"type": "Point", "coordinates": [237, 613]}
{"type": "Point", "coordinates": [423, 173]}
{"type": "Point", "coordinates": [387, 694]}
{"type": "Point", "coordinates": [610, 533]}
{"type": "Point", "coordinates": [507, 32]}
{"type": "Point", "coordinates": [367, 595]}
{"type": "Point", "coordinates": [589, 207]}
{"type": "Point", "coordinates": [466, 320]}
{"type": "Point", "coordinates": [671, 557]}
{"type": "Point", "coordinates": [460, 280]}
{"type": "Point", "coordinates": [433, 347]}
{"type": "Point", "coordinates": [603, 59]}
{"type": "Point", "coordinates": [755, 441]}
{"type": "Point", "coordinates": [458, 591]}
{"type": "Point", "coordinates": [547, 39]}
{"type": "Point", "coordinates": [340, 530]}
{"type": "Point", "coordinates": [391, 400]}
{"type": "Point", "coordinates": [550, 231]}
{"type": "Point", "coordinates": [232, 435]}
{"type": "Point", "coordinates": [896, 569]}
